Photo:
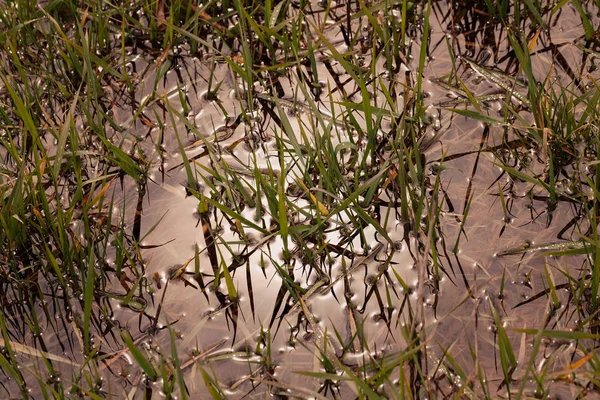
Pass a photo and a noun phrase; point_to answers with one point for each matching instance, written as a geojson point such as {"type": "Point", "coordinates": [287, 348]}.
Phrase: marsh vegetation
{"type": "Point", "coordinates": [304, 199]}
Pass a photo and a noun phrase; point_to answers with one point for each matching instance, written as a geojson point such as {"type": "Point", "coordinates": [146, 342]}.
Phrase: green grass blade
{"type": "Point", "coordinates": [138, 356]}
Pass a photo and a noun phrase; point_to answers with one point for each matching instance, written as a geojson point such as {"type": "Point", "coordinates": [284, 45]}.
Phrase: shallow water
{"type": "Point", "coordinates": [265, 334]}
{"type": "Point", "coordinates": [171, 218]}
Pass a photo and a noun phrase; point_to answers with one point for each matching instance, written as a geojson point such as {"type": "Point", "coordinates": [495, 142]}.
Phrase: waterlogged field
{"type": "Point", "coordinates": [299, 199]}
